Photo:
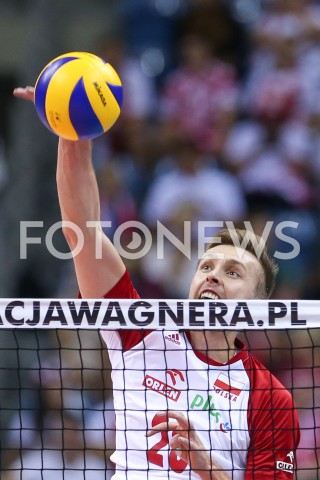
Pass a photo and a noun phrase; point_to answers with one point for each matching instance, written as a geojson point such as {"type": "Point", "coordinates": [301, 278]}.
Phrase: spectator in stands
{"type": "Point", "coordinates": [199, 98]}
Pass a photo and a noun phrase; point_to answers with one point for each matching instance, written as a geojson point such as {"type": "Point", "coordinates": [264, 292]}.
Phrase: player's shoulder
{"type": "Point", "coordinates": [262, 380]}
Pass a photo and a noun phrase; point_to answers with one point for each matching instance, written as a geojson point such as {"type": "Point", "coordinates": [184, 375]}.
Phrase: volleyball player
{"type": "Point", "coordinates": [189, 404]}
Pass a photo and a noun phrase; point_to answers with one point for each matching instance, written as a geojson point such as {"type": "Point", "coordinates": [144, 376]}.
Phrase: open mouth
{"type": "Point", "coordinates": [209, 296]}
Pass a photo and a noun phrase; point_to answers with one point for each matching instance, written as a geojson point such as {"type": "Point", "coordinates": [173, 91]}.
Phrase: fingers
{"type": "Point", "coordinates": [179, 442]}
{"type": "Point", "coordinates": [183, 421]}
{"type": "Point", "coordinates": [192, 452]}
{"type": "Point", "coordinates": [180, 423]}
{"type": "Point", "coordinates": [162, 427]}
{"type": "Point", "coordinates": [181, 447]}
{"type": "Point", "coordinates": [185, 442]}
{"type": "Point", "coordinates": [26, 93]}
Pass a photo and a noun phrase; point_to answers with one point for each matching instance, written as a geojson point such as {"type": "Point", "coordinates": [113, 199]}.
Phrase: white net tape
{"type": "Point", "coordinates": [117, 314]}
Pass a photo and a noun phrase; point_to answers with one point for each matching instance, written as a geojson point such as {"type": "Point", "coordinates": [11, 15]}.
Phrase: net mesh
{"type": "Point", "coordinates": [58, 413]}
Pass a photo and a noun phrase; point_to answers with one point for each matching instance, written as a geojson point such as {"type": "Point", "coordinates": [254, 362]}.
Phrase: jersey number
{"type": "Point", "coordinates": [176, 464]}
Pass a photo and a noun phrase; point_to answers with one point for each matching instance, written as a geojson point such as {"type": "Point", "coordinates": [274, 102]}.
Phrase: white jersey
{"type": "Point", "coordinates": [242, 414]}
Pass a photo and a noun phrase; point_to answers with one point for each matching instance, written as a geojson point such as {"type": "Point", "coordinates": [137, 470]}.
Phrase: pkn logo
{"type": "Point", "coordinates": [205, 403]}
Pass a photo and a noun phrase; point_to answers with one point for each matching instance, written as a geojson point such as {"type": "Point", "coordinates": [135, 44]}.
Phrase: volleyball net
{"type": "Point", "coordinates": [57, 406]}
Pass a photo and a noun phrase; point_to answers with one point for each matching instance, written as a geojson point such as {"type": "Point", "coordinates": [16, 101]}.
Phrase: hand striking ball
{"type": "Point", "coordinates": [78, 96]}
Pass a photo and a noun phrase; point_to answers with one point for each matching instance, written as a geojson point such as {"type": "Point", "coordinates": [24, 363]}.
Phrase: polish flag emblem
{"type": "Point", "coordinates": [228, 384]}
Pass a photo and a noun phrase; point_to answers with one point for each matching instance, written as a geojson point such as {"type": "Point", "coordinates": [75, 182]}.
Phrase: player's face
{"type": "Point", "coordinates": [226, 272]}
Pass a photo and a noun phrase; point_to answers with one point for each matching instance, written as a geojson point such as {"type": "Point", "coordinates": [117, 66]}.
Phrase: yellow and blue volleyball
{"type": "Point", "coordinates": [78, 95]}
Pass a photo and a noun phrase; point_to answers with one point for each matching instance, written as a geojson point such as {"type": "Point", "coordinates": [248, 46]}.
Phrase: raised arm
{"type": "Point", "coordinates": [98, 264]}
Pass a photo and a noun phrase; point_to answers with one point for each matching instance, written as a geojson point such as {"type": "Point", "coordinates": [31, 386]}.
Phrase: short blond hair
{"type": "Point", "coordinates": [269, 267]}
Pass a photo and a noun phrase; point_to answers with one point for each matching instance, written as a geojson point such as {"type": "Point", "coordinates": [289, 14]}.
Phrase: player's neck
{"type": "Point", "coordinates": [219, 346]}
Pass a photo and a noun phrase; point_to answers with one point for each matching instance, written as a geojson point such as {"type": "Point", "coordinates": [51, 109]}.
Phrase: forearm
{"type": "Point", "coordinates": [76, 182]}
{"type": "Point", "coordinates": [98, 264]}
{"type": "Point", "coordinates": [214, 474]}
{"type": "Point", "coordinates": [213, 471]}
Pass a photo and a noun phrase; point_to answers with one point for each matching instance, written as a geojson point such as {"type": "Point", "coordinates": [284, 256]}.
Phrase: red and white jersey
{"type": "Point", "coordinates": [243, 415]}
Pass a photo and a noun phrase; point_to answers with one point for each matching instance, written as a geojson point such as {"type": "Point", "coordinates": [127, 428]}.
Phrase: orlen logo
{"type": "Point", "coordinates": [174, 374]}
{"type": "Point", "coordinates": [161, 387]}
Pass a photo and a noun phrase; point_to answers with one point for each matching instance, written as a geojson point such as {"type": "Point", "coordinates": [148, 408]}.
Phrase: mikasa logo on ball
{"type": "Point", "coordinates": [84, 89]}
{"type": "Point", "coordinates": [98, 88]}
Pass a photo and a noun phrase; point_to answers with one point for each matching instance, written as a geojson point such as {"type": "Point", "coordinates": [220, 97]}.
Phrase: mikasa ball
{"type": "Point", "coordinates": [78, 95]}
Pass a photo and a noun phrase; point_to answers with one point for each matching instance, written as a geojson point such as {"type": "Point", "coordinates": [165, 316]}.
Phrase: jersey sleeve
{"type": "Point", "coordinates": [125, 289]}
{"type": "Point", "coordinates": [274, 430]}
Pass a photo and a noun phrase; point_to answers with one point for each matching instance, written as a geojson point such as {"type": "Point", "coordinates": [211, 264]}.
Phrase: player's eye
{"type": "Point", "coordinates": [233, 273]}
{"type": "Point", "coordinates": [205, 268]}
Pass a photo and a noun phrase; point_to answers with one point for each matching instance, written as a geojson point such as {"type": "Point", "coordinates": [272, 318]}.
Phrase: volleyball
{"type": "Point", "coordinates": [78, 95]}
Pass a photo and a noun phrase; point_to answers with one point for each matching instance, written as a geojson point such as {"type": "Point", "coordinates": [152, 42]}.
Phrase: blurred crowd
{"type": "Point", "coordinates": [220, 123]}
